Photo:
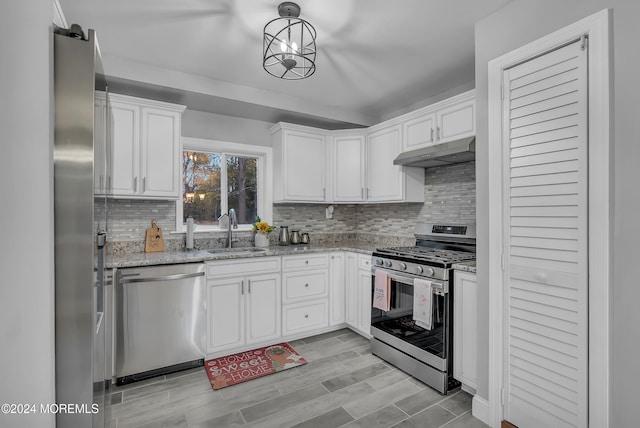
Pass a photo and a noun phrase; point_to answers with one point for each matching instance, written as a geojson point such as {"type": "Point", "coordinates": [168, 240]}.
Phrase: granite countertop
{"type": "Point", "coordinates": [174, 257]}
{"type": "Point", "coordinates": [465, 266]}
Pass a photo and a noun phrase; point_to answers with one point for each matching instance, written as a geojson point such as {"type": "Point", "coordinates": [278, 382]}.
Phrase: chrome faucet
{"type": "Point", "coordinates": [233, 223]}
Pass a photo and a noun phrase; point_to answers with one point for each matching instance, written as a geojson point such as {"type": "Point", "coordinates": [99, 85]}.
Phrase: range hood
{"type": "Point", "coordinates": [457, 151]}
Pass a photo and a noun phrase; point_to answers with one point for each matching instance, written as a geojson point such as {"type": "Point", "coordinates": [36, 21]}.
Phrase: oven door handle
{"type": "Point", "coordinates": [436, 287]}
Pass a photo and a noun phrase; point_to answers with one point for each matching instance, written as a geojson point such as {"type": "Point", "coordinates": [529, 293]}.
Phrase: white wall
{"type": "Point", "coordinates": [518, 23]}
{"type": "Point", "coordinates": [198, 124]}
{"type": "Point", "coordinates": [26, 216]}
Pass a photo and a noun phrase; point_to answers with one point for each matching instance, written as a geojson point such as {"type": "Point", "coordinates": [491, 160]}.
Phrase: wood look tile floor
{"type": "Point", "coordinates": [342, 385]}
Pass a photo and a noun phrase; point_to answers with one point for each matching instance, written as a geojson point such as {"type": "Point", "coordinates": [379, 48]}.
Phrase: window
{"type": "Point", "coordinates": [218, 176]}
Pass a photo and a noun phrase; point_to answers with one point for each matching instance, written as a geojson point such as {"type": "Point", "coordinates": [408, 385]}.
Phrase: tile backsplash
{"type": "Point", "coordinates": [129, 218]}
{"type": "Point", "coordinates": [450, 197]}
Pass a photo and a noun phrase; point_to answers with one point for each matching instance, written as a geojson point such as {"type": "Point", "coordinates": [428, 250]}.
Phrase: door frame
{"type": "Point", "coordinates": [597, 27]}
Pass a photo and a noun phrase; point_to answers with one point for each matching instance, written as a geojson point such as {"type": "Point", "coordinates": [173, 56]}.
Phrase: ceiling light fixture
{"type": "Point", "coordinates": [289, 49]}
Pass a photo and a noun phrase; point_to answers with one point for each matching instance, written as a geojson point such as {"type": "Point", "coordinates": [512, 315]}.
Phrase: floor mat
{"type": "Point", "coordinates": [248, 365]}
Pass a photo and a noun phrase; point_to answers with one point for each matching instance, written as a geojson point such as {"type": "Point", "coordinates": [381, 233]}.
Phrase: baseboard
{"type": "Point", "coordinates": [480, 409]}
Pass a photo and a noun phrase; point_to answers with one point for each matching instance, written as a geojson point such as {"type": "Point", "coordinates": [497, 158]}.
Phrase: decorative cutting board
{"type": "Point", "coordinates": [153, 242]}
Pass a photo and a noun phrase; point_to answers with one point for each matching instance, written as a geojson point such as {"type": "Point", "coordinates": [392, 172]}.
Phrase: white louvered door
{"type": "Point", "coordinates": [546, 245]}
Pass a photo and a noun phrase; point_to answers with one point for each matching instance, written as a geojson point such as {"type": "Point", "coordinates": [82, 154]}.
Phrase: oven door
{"type": "Point", "coordinates": [398, 329]}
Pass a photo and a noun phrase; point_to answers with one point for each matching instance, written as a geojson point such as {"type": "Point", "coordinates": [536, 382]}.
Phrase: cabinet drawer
{"type": "Point", "coordinates": [229, 267]}
{"type": "Point", "coordinates": [310, 261]}
{"type": "Point", "coordinates": [364, 262]}
{"type": "Point", "coordinates": [303, 285]}
{"type": "Point", "coordinates": [304, 316]}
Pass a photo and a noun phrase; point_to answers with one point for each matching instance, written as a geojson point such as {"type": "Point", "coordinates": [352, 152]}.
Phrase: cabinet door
{"type": "Point", "coordinates": [349, 170]}
{"type": "Point", "coordinates": [99, 146]}
{"type": "Point", "coordinates": [384, 179]}
{"type": "Point", "coordinates": [456, 121]}
{"type": "Point", "coordinates": [337, 294]}
{"type": "Point", "coordinates": [351, 289]}
{"type": "Point", "coordinates": [125, 135]}
{"type": "Point", "coordinates": [465, 289]}
{"type": "Point", "coordinates": [419, 132]}
{"type": "Point", "coordinates": [160, 149]}
{"type": "Point", "coordinates": [304, 166]}
{"type": "Point", "coordinates": [263, 307]}
{"type": "Point", "coordinates": [364, 295]}
{"type": "Point", "coordinates": [225, 314]}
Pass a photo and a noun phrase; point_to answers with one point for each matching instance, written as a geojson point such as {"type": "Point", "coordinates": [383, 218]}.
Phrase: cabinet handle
{"type": "Point", "coordinates": [144, 184]}
{"type": "Point", "coordinates": [368, 192]}
{"type": "Point", "coordinates": [109, 182]}
{"type": "Point", "coordinates": [135, 184]}
{"type": "Point", "coordinates": [306, 285]}
{"type": "Point", "coordinates": [242, 287]}
{"type": "Point", "coordinates": [432, 135]}
{"type": "Point", "coordinates": [438, 133]}
{"type": "Point", "coordinates": [306, 262]}
{"type": "Point", "coordinates": [101, 182]}
{"type": "Point", "coordinates": [324, 193]}
{"type": "Point", "coordinates": [249, 283]}
{"type": "Point", "coordinates": [362, 193]}
{"type": "Point", "coordinates": [306, 316]}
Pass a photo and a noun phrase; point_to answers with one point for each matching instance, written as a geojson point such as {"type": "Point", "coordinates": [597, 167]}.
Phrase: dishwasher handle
{"type": "Point", "coordinates": [162, 278]}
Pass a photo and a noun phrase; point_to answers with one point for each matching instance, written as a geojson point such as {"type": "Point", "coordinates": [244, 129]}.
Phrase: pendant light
{"type": "Point", "coordinates": [289, 49]}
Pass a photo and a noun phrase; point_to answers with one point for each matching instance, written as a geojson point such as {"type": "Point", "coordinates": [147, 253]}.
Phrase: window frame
{"type": "Point", "coordinates": [264, 174]}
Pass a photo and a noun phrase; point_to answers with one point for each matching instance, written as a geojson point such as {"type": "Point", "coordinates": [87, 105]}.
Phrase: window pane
{"type": "Point", "coordinates": [201, 191]}
{"type": "Point", "coordinates": [243, 195]}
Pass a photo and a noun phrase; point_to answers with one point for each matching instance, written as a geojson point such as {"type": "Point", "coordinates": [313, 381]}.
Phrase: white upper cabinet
{"type": "Point", "coordinates": [102, 176]}
{"type": "Point", "coordinates": [349, 183]}
{"type": "Point", "coordinates": [456, 121]}
{"type": "Point", "coordinates": [124, 127]}
{"type": "Point", "coordinates": [384, 179]}
{"type": "Point", "coordinates": [160, 152]}
{"type": "Point", "coordinates": [315, 165]}
{"type": "Point", "coordinates": [356, 165]}
{"type": "Point", "coordinates": [300, 164]}
{"type": "Point", "coordinates": [419, 131]}
{"type": "Point", "coordinates": [146, 147]}
{"type": "Point", "coordinates": [387, 182]}
{"type": "Point", "coordinates": [445, 121]}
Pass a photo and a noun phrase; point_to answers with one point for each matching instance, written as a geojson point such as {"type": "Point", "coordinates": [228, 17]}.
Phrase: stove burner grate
{"type": "Point", "coordinates": [425, 253]}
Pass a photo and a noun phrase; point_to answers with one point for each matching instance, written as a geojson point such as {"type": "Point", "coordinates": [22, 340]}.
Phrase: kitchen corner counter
{"type": "Point", "coordinates": [175, 257]}
{"type": "Point", "coordinates": [465, 266]}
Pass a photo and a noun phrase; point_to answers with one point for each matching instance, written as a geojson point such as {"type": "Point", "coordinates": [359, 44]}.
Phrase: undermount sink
{"type": "Point", "coordinates": [236, 250]}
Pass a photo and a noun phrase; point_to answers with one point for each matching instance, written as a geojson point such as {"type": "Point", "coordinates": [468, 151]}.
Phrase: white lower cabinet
{"type": "Point", "coordinates": [261, 300]}
{"type": "Point", "coordinates": [337, 294]}
{"type": "Point", "coordinates": [465, 289]}
{"type": "Point", "coordinates": [358, 292]}
{"type": "Point", "coordinates": [305, 295]}
{"type": "Point", "coordinates": [243, 303]}
{"type": "Point", "coordinates": [306, 316]}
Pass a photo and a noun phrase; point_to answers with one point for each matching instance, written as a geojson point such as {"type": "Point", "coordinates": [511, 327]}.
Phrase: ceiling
{"type": "Point", "coordinates": [376, 58]}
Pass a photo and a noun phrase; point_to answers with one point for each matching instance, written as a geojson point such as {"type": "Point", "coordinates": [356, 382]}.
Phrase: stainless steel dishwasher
{"type": "Point", "coordinates": [160, 324]}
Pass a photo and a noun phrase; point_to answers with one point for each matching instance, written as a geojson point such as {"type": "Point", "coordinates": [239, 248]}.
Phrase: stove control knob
{"type": "Point", "coordinates": [430, 271]}
{"type": "Point", "coordinates": [387, 263]}
{"type": "Point", "coordinates": [419, 269]}
{"type": "Point", "coordinates": [379, 262]}
{"type": "Point", "coordinates": [403, 266]}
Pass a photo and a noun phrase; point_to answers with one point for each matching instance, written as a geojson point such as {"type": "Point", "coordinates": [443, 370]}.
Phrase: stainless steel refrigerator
{"type": "Point", "coordinates": [82, 375]}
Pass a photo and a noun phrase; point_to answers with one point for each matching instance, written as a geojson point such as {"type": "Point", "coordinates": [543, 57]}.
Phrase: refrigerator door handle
{"type": "Point", "coordinates": [101, 242]}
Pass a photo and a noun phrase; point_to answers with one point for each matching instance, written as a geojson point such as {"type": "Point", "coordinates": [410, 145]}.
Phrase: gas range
{"type": "Point", "coordinates": [425, 270]}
